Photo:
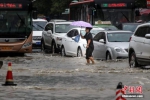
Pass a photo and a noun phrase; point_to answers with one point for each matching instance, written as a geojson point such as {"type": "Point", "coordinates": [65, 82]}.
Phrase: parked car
{"type": "Point", "coordinates": [70, 47]}
{"type": "Point", "coordinates": [139, 46]}
{"type": "Point", "coordinates": [107, 27]}
{"type": "Point", "coordinates": [38, 27]}
{"type": "Point", "coordinates": [130, 26]}
{"type": "Point", "coordinates": [111, 44]}
{"type": "Point", "coordinates": [53, 33]}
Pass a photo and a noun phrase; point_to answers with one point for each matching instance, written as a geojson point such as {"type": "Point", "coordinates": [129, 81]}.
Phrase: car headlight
{"type": "Point", "coordinates": [59, 39]}
{"type": "Point", "coordinates": [26, 45]}
{"type": "Point", "coordinates": [119, 50]}
{"type": "Point", "coordinates": [84, 45]}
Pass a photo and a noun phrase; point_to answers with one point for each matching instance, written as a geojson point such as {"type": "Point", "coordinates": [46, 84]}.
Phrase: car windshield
{"type": "Point", "coordinates": [130, 27]}
{"type": "Point", "coordinates": [63, 28]}
{"type": "Point", "coordinates": [39, 25]}
{"type": "Point", "coordinates": [119, 37]}
{"type": "Point", "coordinates": [110, 28]}
{"type": "Point", "coordinates": [93, 31]}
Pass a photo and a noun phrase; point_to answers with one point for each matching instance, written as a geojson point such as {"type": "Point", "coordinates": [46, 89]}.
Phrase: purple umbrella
{"type": "Point", "coordinates": [81, 24]}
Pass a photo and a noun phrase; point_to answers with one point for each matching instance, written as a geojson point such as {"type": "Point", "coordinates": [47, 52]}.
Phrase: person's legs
{"type": "Point", "coordinates": [90, 55]}
{"type": "Point", "coordinates": [88, 61]}
{"type": "Point", "coordinates": [92, 59]}
{"type": "Point", "coordinates": [87, 56]}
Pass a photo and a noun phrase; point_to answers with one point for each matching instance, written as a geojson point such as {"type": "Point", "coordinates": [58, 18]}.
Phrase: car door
{"type": "Point", "coordinates": [146, 50]}
{"type": "Point", "coordinates": [139, 41]}
{"type": "Point", "coordinates": [47, 35]}
{"type": "Point", "coordinates": [68, 42]}
{"type": "Point", "coordinates": [96, 52]}
{"type": "Point", "coordinates": [74, 45]}
{"type": "Point", "coordinates": [102, 46]}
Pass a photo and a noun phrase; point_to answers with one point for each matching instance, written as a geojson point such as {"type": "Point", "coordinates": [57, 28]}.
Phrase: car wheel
{"type": "Point", "coordinates": [133, 61]}
{"type": "Point", "coordinates": [79, 52]}
{"type": "Point", "coordinates": [108, 56]}
{"type": "Point", "coordinates": [63, 52]}
{"type": "Point", "coordinates": [53, 48]}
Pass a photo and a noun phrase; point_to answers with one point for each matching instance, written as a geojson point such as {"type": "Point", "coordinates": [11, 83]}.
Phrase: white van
{"type": "Point", "coordinates": [38, 27]}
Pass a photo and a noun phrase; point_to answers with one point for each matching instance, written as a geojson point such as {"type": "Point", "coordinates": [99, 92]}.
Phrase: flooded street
{"type": "Point", "coordinates": [45, 77]}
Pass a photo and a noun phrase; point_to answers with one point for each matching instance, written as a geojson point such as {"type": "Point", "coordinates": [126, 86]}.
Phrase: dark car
{"type": "Point", "coordinates": [130, 26]}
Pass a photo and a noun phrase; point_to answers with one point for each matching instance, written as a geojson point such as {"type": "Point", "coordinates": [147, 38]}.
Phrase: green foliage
{"type": "Point", "coordinates": [141, 3]}
{"type": "Point", "coordinates": [47, 7]}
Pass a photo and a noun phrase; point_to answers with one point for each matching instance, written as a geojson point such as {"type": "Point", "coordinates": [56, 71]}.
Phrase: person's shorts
{"type": "Point", "coordinates": [89, 52]}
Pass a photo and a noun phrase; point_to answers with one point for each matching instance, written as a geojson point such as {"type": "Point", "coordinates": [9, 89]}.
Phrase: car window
{"type": "Point", "coordinates": [142, 31]}
{"type": "Point", "coordinates": [63, 28]}
{"type": "Point", "coordinates": [130, 27]}
{"type": "Point", "coordinates": [49, 27]}
{"type": "Point", "coordinates": [103, 36]}
{"type": "Point", "coordinates": [98, 36]}
{"type": "Point", "coordinates": [76, 33]}
{"type": "Point", "coordinates": [119, 36]}
{"type": "Point", "coordinates": [39, 25]}
{"type": "Point", "coordinates": [70, 34]}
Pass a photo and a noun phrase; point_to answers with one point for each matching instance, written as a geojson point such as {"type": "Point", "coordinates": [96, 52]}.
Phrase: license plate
{"type": "Point", "coordinates": [38, 43]}
{"type": "Point", "coordinates": [6, 48]}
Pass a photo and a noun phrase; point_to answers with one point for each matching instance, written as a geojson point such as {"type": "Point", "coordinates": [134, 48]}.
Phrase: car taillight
{"type": "Point", "coordinates": [130, 39]}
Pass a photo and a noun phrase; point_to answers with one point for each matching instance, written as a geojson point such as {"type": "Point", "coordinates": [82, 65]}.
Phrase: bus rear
{"type": "Point", "coordinates": [16, 26]}
{"type": "Point", "coordinates": [116, 11]}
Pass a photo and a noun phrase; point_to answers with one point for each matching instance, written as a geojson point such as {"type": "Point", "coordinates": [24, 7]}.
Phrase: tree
{"type": "Point", "coordinates": [140, 3]}
{"type": "Point", "coordinates": [58, 6]}
{"type": "Point", "coordinates": [48, 7]}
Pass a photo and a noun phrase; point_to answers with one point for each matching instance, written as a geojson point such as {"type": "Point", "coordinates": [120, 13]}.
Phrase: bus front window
{"type": "Point", "coordinates": [15, 22]}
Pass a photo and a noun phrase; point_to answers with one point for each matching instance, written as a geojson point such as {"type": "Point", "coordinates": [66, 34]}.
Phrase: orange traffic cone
{"type": "Point", "coordinates": [9, 77]}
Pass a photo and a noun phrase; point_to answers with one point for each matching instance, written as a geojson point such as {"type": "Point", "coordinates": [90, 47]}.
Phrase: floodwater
{"type": "Point", "coordinates": [51, 77]}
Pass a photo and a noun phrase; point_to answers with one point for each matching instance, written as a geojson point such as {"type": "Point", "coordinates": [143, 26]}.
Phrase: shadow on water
{"type": "Point", "coordinates": [12, 54]}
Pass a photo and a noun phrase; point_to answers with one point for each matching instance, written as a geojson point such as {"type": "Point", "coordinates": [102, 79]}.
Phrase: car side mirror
{"type": "Point", "coordinates": [49, 32]}
{"type": "Point", "coordinates": [147, 36]}
{"type": "Point", "coordinates": [102, 41]}
{"type": "Point", "coordinates": [73, 38]}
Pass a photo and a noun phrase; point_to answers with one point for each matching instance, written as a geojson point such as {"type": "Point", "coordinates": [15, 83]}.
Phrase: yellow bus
{"type": "Point", "coordinates": [16, 25]}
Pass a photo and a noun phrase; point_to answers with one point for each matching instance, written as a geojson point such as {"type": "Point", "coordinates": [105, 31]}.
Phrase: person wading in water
{"type": "Point", "coordinates": [90, 47]}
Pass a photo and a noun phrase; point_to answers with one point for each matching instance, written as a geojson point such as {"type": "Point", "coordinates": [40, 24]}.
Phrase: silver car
{"type": "Point", "coordinates": [111, 44]}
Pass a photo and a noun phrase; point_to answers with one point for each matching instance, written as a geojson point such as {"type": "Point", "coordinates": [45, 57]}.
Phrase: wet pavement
{"type": "Point", "coordinates": [42, 76]}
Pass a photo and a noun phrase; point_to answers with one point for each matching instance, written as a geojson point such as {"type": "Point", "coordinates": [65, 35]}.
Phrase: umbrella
{"type": "Point", "coordinates": [81, 24]}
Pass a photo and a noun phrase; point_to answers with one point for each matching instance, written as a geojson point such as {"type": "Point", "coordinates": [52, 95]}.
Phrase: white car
{"type": "Point", "coordinates": [139, 46]}
{"type": "Point", "coordinates": [111, 44]}
{"type": "Point", "coordinates": [53, 33]}
{"type": "Point", "coordinates": [38, 27]}
{"type": "Point", "coordinates": [70, 47]}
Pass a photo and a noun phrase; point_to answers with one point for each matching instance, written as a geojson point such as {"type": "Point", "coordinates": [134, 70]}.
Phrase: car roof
{"type": "Point", "coordinates": [57, 20]}
{"type": "Point", "coordinates": [145, 24]}
{"type": "Point", "coordinates": [82, 28]}
{"type": "Point", "coordinates": [133, 23]}
{"type": "Point", "coordinates": [118, 31]}
{"type": "Point", "coordinates": [62, 22]}
{"type": "Point", "coordinates": [39, 20]}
